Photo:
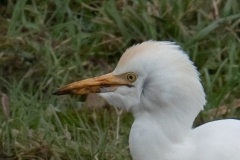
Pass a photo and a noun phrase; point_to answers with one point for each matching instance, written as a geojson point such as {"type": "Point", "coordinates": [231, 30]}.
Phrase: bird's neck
{"type": "Point", "coordinates": [159, 136]}
{"type": "Point", "coordinates": [172, 121]}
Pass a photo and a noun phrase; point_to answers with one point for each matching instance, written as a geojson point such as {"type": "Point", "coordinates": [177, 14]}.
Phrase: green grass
{"type": "Point", "coordinates": [46, 44]}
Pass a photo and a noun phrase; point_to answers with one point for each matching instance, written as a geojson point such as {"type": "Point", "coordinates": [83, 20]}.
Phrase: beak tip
{"type": "Point", "coordinates": [55, 93]}
{"type": "Point", "coordinates": [58, 92]}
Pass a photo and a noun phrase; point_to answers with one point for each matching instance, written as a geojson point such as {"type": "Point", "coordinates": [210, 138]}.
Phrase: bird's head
{"type": "Point", "coordinates": [148, 76]}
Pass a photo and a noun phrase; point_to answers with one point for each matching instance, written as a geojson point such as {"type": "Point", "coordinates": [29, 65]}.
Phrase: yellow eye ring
{"type": "Point", "coordinates": [132, 77]}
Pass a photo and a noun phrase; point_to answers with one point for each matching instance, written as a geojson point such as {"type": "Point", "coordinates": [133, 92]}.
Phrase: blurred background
{"type": "Point", "coordinates": [45, 44]}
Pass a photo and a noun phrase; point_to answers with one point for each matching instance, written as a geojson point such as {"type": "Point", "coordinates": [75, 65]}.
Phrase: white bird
{"type": "Point", "coordinates": [158, 83]}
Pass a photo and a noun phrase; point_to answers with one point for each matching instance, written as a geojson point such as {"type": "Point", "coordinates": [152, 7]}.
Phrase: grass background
{"type": "Point", "coordinates": [46, 44]}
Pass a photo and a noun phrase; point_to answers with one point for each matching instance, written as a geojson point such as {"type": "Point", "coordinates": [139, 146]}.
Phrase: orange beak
{"type": "Point", "coordinates": [105, 83]}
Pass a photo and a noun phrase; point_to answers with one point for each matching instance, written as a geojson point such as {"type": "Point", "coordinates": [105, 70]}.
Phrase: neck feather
{"type": "Point", "coordinates": [173, 119]}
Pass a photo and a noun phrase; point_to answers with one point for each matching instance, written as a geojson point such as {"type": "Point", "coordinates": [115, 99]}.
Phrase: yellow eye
{"type": "Point", "coordinates": [132, 77]}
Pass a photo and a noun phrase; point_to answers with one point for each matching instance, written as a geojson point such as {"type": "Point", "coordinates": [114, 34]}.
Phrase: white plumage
{"type": "Point", "coordinates": [164, 95]}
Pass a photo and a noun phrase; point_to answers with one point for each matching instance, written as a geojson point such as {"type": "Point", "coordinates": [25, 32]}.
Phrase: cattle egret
{"type": "Point", "coordinates": [160, 86]}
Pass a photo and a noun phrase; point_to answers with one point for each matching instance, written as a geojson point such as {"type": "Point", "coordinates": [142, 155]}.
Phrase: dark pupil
{"type": "Point", "coordinates": [131, 77]}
